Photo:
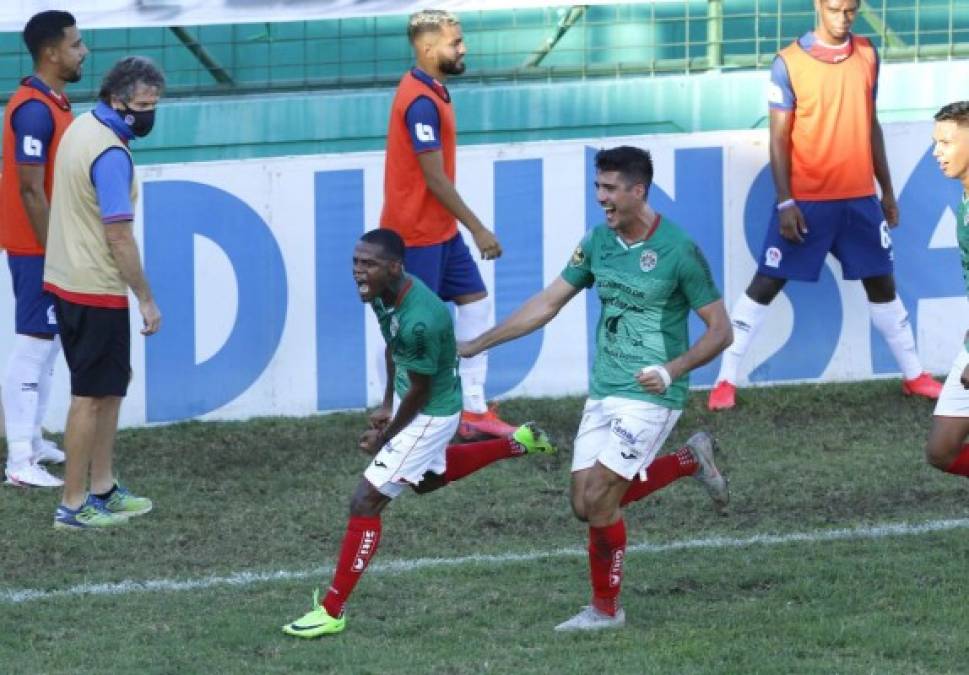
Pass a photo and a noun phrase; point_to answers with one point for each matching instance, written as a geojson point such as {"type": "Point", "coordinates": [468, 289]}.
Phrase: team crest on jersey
{"type": "Point", "coordinates": [394, 325]}
{"type": "Point", "coordinates": [772, 257]}
{"type": "Point", "coordinates": [578, 256]}
{"type": "Point", "coordinates": [648, 260]}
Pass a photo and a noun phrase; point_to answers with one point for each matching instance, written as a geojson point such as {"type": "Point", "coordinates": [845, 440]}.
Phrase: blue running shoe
{"type": "Point", "coordinates": [92, 514]}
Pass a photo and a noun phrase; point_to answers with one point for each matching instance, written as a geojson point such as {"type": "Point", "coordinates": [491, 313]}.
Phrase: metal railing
{"type": "Point", "coordinates": [569, 41]}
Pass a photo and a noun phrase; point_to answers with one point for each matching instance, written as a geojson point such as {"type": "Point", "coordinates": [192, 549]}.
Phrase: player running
{"type": "Point", "coordinates": [410, 447]}
{"type": "Point", "coordinates": [947, 449]}
{"type": "Point", "coordinates": [648, 274]}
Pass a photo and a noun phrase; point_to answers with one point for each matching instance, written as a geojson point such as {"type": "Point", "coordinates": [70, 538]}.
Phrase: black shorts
{"type": "Point", "coordinates": [97, 347]}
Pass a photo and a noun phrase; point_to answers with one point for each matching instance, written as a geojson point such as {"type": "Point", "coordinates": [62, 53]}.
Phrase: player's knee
{"type": "Point", "coordinates": [596, 503]}
{"type": "Point", "coordinates": [938, 456]}
{"type": "Point", "coordinates": [366, 501]}
{"type": "Point", "coordinates": [579, 510]}
{"type": "Point", "coordinates": [763, 289]}
{"type": "Point", "coordinates": [880, 289]}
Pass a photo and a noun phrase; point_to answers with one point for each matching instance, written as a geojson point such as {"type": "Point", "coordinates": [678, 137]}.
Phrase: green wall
{"type": "Point", "coordinates": [211, 128]}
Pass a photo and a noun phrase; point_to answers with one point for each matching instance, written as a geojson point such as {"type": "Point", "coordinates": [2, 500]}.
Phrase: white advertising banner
{"type": "Point", "coordinates": [250, 262]}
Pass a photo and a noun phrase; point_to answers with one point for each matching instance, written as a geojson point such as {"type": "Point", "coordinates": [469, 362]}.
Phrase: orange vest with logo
{"type": "Point", "coordinates": [410, 209]}
{"type": "Point", "coordinates": [16, 232]}
{"type": "Point", "coordinates": [831, 130]}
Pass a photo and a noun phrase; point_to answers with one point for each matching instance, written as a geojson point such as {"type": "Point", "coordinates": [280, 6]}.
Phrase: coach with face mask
{"type": "Point", "coordinates": [92, 261]}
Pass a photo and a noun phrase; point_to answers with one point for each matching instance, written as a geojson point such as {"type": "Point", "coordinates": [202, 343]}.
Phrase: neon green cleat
{"type": "Point", "coordinates": [91, 515]}
{"type": "Point", "coordinates": [123, 503]}
{"type": "Point", "coordinates": [316, 623]}
{"type": "Point", "coordinates": [533, 440]}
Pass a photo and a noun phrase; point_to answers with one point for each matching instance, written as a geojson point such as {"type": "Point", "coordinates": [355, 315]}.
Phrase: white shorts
{"type": "Point", "coordinates": [622, 434]}
{"type": "Point", "coordinates": [954, 399]}
{"type": "Point", "coordinates": [418, 448]}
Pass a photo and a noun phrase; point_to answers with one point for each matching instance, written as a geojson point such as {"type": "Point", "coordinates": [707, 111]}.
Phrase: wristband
{"type": "Point", "coordinates": [786, 204]}
{"type": "Point", "coordinates": [663, 374]}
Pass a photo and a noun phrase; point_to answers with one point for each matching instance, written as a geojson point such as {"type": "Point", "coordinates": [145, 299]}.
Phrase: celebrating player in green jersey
{"type": "Point", "coordinates": [947, 449]}
{"type": "Point", "coordinates": [410, 445]}
{"type": "Point", "coordinates": [648, 274]}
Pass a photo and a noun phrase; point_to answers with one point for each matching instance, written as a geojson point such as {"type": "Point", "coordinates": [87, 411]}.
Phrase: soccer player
{"type": "Point", "coordinates": [92, 261]}
{"type": "Point", "coordinates": [422, 204]}
{"type": "Point", "coordinates": [409, 447]}
{"type": "Point", "coordinates": [826, 151]}
{"type": "Point", "coordinates": [33, 123]}
{"type": "Point", "coordinates": [947, 449]}
{"type": "Point", "coordinates": [648, 275]}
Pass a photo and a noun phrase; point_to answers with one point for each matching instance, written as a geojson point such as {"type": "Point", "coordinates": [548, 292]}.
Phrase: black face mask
{"type": "Point", "coordinates": [140, 121]}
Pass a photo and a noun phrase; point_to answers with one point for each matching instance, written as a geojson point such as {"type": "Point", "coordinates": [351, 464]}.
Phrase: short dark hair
{"type": "Point", "coordinates": [44, 29]}
{"type": "Point", "coordinates": [126, 74]}
{"type": "Point", "coordinates": [390, 243]}
{"type": "Point", "coordinates": [633, 164]}
{"type": "Point", "coordinates": [957, 112]}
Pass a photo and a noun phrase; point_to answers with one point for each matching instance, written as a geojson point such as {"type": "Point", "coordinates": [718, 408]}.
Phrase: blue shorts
{"type": "Point", "coordinates": [853, 230]}
{"type": "Point", "coordinates": [34, 314]}
{"type": "Point", "coordinates": [448, 269]}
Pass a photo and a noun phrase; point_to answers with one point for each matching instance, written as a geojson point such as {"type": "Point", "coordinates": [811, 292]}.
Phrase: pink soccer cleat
{"type": "Point", "coordinates": [475, 425]}
{"type": "Point", "coordinates": [723, 396]}
{"type": "Point", "coordinates": [923, 385]}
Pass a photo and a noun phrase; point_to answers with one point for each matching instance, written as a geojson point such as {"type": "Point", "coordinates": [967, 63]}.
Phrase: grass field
{"type": "Point", "coordinates": [473, 578]}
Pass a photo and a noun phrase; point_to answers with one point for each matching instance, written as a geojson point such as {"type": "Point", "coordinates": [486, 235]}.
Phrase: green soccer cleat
{"type": "Point", "coordinates": [123, 503]}
{"type": "Point", "coordinates": [316, 623]}
{"type": "Point", "coordinates": [90, 515]}
{"type": "Point", "coordinates": [533, 440]}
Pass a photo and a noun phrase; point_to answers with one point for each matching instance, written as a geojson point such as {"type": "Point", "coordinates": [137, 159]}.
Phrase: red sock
{"type": "Point", "coordinates": [663, 471]}
{"type": "Point", "coordinates": [464, 459]}
{"type": "Point", "coordinates": [359, 545]}
{"type": "Point", "coordinates": [960, 467]}
{"type": "Point", "coordinates": [607, 549]}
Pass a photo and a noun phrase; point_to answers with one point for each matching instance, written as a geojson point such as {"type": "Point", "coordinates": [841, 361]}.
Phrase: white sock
{"type": "Point", "coordinates": [19, 454]}
{"type": "Point", "coordinates": [21, 384]}
{"type": "Point", "coordinates": [746, 317]}
{"type": "Point", "coordinates": [891, 320]}
{"type": "Point", "coordinates": [472, 320]}
{"type": "Point", "coordinates": [44, 386]}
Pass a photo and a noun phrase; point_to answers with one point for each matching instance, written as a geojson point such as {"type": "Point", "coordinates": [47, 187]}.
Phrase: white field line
{"type": "Point", "coordinates": [11, 596]}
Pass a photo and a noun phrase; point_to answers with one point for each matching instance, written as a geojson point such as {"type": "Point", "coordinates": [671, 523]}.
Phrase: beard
{"type": "Point", "coordinates": [455, 67]}
{"type": "Point", "coordinates": [73, 76]}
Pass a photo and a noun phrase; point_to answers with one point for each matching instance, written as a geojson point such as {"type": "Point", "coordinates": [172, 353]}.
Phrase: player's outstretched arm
{"type": "Point", "coordinates": [718, 336]}
{"type": "Point", "coordinates": [432, 166]}
{"type": "Point", "coordinates": [537, 311]}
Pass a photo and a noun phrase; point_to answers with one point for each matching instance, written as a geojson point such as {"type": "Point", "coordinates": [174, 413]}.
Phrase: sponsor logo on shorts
{"type": "Point", "coordinates": [772, 257]}
{"type": "Point", "coordinates": [377, 462]}
{"type": "Point", "coordinates": [622, 432]}
{"type": "Point", "coordinates": [51, 316]}
{"type": "Point", "coordinates": [648, 260]}
{"type": "Point", "coordinates": [630, 454]}
{"type": "Point", "coordinates": [365, 550]}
